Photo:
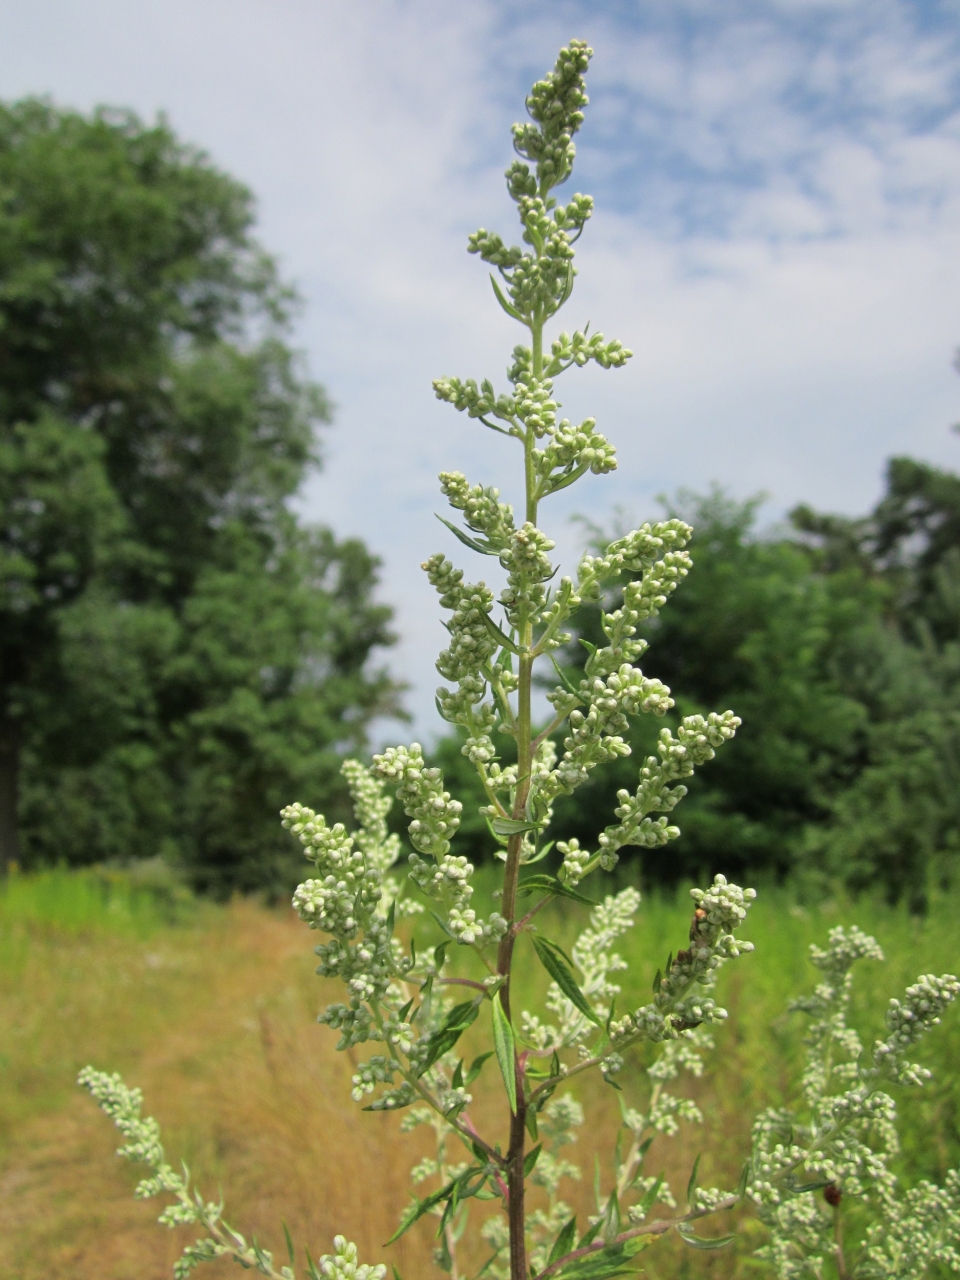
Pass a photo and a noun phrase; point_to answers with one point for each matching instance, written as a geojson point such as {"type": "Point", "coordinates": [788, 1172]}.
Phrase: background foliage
{"type": "Point", "coordinates": [179, 654]}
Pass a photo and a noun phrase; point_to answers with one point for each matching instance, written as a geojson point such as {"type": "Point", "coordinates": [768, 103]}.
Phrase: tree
{"type": "Point", "coordinates": [167, 624]}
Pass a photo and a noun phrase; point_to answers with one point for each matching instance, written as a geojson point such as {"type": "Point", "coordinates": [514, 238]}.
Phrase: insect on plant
{"type": "Point", "coordinates": [404, 998]}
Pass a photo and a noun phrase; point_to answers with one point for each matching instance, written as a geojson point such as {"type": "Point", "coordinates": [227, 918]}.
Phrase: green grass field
{"type": "Point", "coordinates": [211, 1011]}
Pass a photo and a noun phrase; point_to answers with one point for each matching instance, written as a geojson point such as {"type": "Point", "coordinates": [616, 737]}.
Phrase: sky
{"type": "Point", "coordinates": [776, 237]}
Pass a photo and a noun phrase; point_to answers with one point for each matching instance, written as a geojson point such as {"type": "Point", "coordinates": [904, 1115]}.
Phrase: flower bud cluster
{"type": "Point", "coordinates": [379, 1070]}
{"type": "Point", "coordinates": [529, 567]}
{"type": "Point", "coordinates": [343, 1264]}
{"type": "Point", "coordinates": [471, 642]}
{"type": "Point", "coordinates": [915, 1233]}
{"type": "Point", "coordinates": [343, 899]}
{"type": "Point", "coordinates": [572, 451]}
{"type": "Point", "coordinates": [908, 1020]}
{"type": "Point", "coordinates": [696, 742]}
{"type": "Point", "coordinates": [642, 599]}
{"type": "Point", "coordinates": [719, 910]}
{"type": "Point", "coordinates": [435, 816]}
{"type": "Point", "coordinates": [477, 401]}
{"type": "Point", "coordinates": [555, 104]}
{"type": "Point", "coordinates": [579, 348]}
{"type": "Point", "coordinates": [482, 509]}
{"type": "Point", "coordinates": [636, 552]}
{"type": "Point", "coordinates": [380, 847]}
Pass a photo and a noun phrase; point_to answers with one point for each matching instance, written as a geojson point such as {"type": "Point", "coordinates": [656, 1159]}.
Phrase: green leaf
{"type": "Point", "coordinates": [446, 1036]}
{"type": "Point", "coordinates": [439, 955]}
{"type": "Point", "coordinates": [443, 925]}
{"type": "Point", "coordinates": [611, 1218]}
{"type": "Point", "coordinates": [312, 1269]}
{"type": "Point", "coordinates": [457, 1080]}
{"type": "Point", "coordinates": [530, 1160]}
{"type": "Point", "coordinates": [415, 1211]}
{"type": "Point", "coordinates": [484, 548]}
{"type": "Point", "coordinates": [589, 1235]}
{"type": "Point", "coordinates": [806, 1186]}
{"type": "Point", "coordinates": [530, 1121]}
{"type": "Point", "coordinates": [503, 1045]}
{"type": "Point", "coordinates": [563, 679]}
{"type": "Point", "coordinates": [290, 1251]}
{"type": "Point", "coordinates": [476, 1066]}
{"type": "Point", "coordinates": [564, 1241]}
{"type": "Point", "coordinates": [513, 826]}
{"type": "Point", "coordinates": [744, 1179]}
{"type": "Point", "coordinates": [657, 979]}
{"type": "Point", "coordinates": [497, 634]}
{"type": "Point", "coordinates": [540, 854]}
{"type": "Point", "coordinates": [391, 916]}
{"type": "Point", "coordinates": [691, 1185]}
{"type": "Point", "coordinates": [508, 307]}
{"type": "Point", "coordinates": [554, 961]}
{"type": "Point", "coordinates": [396, 1273]}
{"type": "Point", "coordinates": [541, 883]}
{"type": "Point", "coordinates": [698, 1242]}
{"type": "Point", "coordinates": [402, 1015]}
{"type": "Point", "coordinates": [649, 1197]}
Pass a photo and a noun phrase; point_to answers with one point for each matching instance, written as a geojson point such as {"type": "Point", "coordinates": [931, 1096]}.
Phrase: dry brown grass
{"type": "Point", "coordinates": [214, 1020]}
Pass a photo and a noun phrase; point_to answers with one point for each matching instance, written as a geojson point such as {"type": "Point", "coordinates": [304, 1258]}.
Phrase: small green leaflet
{"type": "Point", "coordinates": [607, 1262]}
{"type": "Point", "coordinates": [513, 826]}
{"type": "Point", "coordinates": [476, 1067]}
{"type": "Point", "coordinates": [564, 1241]}
{"type": "Point", "coordinates": [497, 634]}
{"type": "Point", "coordinates": [563, 679]}
{"type": "Point", "coordinates": [444, 926]}
{"type": "Point", "coordinates": [508, 308]}
{"type": "Point", "coordinates": [503, 1046]}
{"type": "Point", "coordinates": [540, 854]}
{"type": "Point", "coordinates": [530, 1160]}
{"type": "Point", "coordinates": [459, 1187]}
{"type": "Point", "coordinates": [484, 548]}
{"type": "Point", "coordinates": [698, 1242]}
{"type": "Point", "coordinates": [445, 1037]}
{"type": "Point", "coordinates": [611, 1218]}
{"type": "Point", "coordinates": [286, 1234]}
{"type": "Point", "coordinates": [649, 1198]}
{"type": "Point", "coordinates": [550, 884]}
{"type": "Point", "coordinates": [555, 963]}
{"type": "Point", "coordinates": [530, 1120]}
{"type": "Point", "coordinates": [691, 1185]}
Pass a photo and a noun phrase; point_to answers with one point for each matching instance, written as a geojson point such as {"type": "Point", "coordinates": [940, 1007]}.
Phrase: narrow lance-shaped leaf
{"type": "Point", "coordinates": [503, 1045]}
{"type": "Point", "coordinates": [554, 961]}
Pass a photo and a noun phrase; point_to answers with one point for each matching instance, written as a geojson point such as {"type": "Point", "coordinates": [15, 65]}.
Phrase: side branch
{"type": "Point", "coordinates": [658, 1228]}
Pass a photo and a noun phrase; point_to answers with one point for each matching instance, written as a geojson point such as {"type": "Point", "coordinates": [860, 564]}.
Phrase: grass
{"type": "Point", "coordinates": [211, 1011]}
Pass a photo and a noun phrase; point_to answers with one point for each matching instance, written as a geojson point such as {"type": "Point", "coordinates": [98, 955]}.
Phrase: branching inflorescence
{"type": "Point", "coordinates": [406, 1001]}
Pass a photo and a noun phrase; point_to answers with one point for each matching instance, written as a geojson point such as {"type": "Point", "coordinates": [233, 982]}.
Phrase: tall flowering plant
{"type": "Point", "coordinates": [407, 1001]}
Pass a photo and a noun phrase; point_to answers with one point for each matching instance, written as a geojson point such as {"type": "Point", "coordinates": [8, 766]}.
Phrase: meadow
{"type": "Point", "coordinates": [210, 1010]}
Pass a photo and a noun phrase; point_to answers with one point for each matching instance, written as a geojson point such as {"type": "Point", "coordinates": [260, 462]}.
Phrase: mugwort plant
{"type": "Point", "coordinates": [806, 1169]}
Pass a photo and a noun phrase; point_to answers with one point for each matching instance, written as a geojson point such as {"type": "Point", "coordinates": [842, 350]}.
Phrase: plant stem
{"type": "Point", "coordinates": [515, 1151]}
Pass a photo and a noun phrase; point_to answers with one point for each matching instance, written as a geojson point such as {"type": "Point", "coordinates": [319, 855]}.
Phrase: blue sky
{"type": "Point", "coordinates": [777, 233]}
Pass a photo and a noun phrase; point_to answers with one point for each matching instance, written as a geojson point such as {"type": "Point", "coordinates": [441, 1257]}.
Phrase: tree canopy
{"type": "Point", "coordinates": [177, 650]}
